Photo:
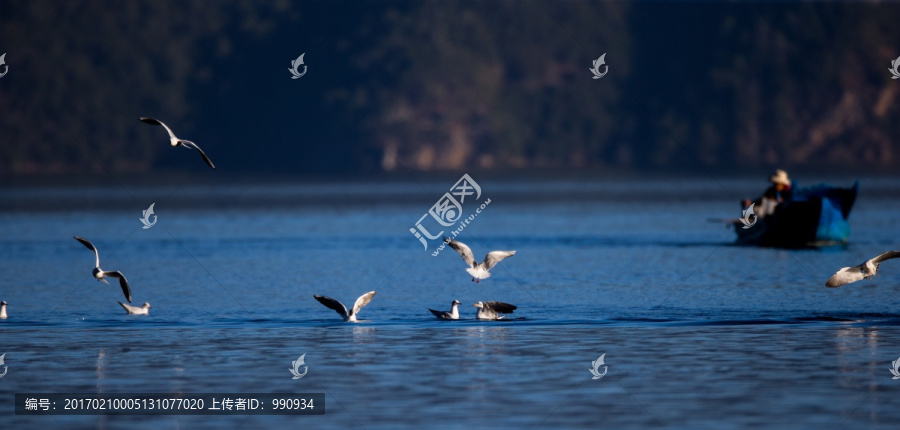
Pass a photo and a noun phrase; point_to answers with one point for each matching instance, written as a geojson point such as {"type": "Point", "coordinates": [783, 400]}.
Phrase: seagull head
{"type": "Point", "coordinates": [3, 303]}
{"type": "Point", "coordinates": [871, 269]}
{"type": "Point", "coordinates": [455, 302]}
{"type": "Point", "coordinates": [146, 305]}
{"type": "Point", "coordinates": [479, 305]}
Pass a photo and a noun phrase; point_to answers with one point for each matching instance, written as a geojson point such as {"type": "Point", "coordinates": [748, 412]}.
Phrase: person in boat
{"type": "Point", "coordinates": [779, 192]}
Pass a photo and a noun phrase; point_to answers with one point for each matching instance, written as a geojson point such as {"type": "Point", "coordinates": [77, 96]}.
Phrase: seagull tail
{"type": "Point", "coordinates": [479, 273]}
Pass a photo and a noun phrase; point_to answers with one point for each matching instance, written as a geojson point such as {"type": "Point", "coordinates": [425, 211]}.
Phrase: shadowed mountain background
{"type": "Point", "coordinates": [447, 85]}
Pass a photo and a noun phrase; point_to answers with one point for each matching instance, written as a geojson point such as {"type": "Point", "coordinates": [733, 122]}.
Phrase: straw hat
{"type": "Point", "coordinates": [780, 177]}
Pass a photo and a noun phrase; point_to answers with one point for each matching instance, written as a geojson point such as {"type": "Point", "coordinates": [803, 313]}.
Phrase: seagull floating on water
{"type": "Point", "coordinates": [453, 314]}
{"type": "Point", "coordinates": [491, 310]}
{"type": "Point", "coordinates": [134, 310]}
{"type": "Point", "coordinates": [100, 274]}
{"type": "Point", "coordinates": [867, 270]}
{"type": "Point", "coordinates": [482, 270]}
{"type": "Point", "coordinates": [3, 310]}
{"type": "Point", "coordinates": [339, 307]}
{"type": "Point", "coordinates": [175, 141]}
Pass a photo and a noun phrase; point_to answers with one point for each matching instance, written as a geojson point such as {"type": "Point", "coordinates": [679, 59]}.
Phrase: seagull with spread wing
{"type": "Point", "coordinates": [101, 274]}
{"type": "Point", "coordinates": [453, 314]}
{"type": "Point", "coordinates": [481, 270]}
{"type": "Point", "coordinates": [339, 307]}
{"type": "Point", "coordinates": [175, 141]}
{"type": "Point", "coordinates": [867, 270]}
{"type": "Point", "coordinates": [492, 310]}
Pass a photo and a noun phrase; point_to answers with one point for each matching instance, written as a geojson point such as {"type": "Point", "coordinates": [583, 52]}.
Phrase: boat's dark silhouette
{"type": "Point", "coordinates": [815, 216]}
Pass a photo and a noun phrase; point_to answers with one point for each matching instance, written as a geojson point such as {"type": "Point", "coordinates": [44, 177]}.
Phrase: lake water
{"type": "Point", "coordinates": [697, 333]}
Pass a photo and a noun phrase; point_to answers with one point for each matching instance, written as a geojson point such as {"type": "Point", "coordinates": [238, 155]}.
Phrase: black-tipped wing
{"type": "Point", "coordinates": [90, 246]}
{"type": "Point", "coordinates": [362, 301]}
{"type": "Point", "coordinates": [152, 121]}
{"type": "Point", "coordinates": [190, 144]}
{"type": "Point", "coordinates": [500, 307]}
{"type": "Point", "coordinates": [885, 256]}
{"type": "Point", "coordinates": [495, 257]}
{"type": "Point", "coordinates": [462, 249]}
{"type": "Point", "coordinates": [86, 243]}
{"type": "Point", "coordinates": [333, 304]}
{"type": "Point", "coordinates": [440, 314]}
{"type": "Point", "coordinates": [122, 283]}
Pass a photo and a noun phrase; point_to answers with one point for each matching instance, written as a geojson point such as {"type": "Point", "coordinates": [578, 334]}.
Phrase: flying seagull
{"type": "Point", "coordinates": [100, 274]}
{"type": "Point", "coordinates": [134, 310]}
{"type": "Point", "coordinates": [175, 141]}
{"type": "Point", "coordinates": [339, 307]}
{"type": "Point", "coordinates": [482, 270]}
{"type": "Point", "coordinates": [3, 310]}
{"type": "Point", "coordinates": [490, 310]}
{"type": "Point", "coordinates": [453, 314]}
{"type": "Point", "coordinates": [866, 270]}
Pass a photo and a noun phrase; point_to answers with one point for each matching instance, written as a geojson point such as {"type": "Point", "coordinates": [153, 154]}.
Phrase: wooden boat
{"type": "Point", "coordinates": [816, 216]}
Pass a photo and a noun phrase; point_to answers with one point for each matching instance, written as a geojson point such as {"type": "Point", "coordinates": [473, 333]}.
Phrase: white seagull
{"type": "Point", "coordinates": [3, 310]}
{"type": "Point", "coordinates": [134, 310]}
{"type": "Point", "coordinates": [100, 274]}
{"type": "Point", "coordinates": [866, 270]}
{"type": "Point", "coordinates": [339, 307]}
{"type": "Point", "coordinates": [491, 310]}
{"type": "Point", "coordinates": [482, 270]}
{"type": "Point", "coordinates": [175, 141]}
{"type": "Point", "coordinates": [453, 314]}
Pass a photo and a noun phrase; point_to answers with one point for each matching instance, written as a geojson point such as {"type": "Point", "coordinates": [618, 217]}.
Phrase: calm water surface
{"type": "Point", "coordinates": [697, 333]}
